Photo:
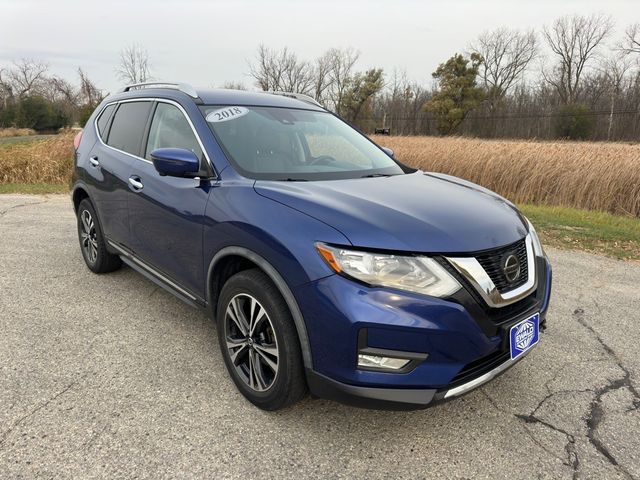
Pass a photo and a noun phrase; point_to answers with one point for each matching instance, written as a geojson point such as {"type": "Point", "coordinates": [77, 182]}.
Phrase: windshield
{"type": "Point", "coordinates": [288, 144]}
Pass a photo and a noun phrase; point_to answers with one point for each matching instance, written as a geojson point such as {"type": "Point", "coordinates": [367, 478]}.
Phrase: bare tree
{"type": "Point", "coordinates": [631, 42]}
{"type": "Point", "coordinates": [506, 54]}
{"type": "Point", "coordinates": [322, 79]}
{"type": "Point", "coordinates": [231, 85]}
{"type": "Point", "coordinates": [89, 93]}
{"type": "Point", "coordinates": [26, 76]}
{"type": "Point", "coordinates": [5, 88]}
{"type": "Point", "coordinates": [615, 70]}
{"type": "Point", "coordinates": [281, 71]}
{"type": "Point", "coordinates": [134, 65]}
{"type": "Point", "coordinates": [57, 88]}
{"type": "Point", "coordinates": [326, 79]}
{"type": "Point", "coordinates": [343, 62]}
{"type": "Point", "coordinates": [574, 40]}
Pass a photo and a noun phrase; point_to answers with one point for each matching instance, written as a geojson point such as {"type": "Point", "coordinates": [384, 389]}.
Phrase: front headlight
{"type": "Point", "coordinates": [415, 274]}
{"type": "Point", "coordinates": [537, 246]}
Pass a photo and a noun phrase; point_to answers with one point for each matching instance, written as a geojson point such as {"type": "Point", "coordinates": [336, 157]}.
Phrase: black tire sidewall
{"type": "Point", "coordinates": [105, 261]}
{"type": "Point", "coordinates": [286, 388]}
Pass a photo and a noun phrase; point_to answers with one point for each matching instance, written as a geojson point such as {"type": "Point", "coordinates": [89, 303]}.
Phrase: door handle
{"type": "Point", "coordinates": [136, 183]}
{"type": "Point", "coordinates": [94, 161]}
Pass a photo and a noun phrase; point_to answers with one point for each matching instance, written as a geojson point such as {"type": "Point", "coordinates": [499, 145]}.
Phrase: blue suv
{"type": "Point", "coordinates": [328, 265]}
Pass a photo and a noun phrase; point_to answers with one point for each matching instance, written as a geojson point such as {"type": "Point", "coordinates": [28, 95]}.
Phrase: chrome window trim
{"type": "Point", "coordinates": [151, 99]}
{"type": "Point", "coordinates": [472, 271]}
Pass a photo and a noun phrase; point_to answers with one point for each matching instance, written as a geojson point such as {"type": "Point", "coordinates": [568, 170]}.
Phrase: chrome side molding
{"type": "Point", "coordinates": [132, 258]}
{"type": "Point", "coordinates": [473, 272]}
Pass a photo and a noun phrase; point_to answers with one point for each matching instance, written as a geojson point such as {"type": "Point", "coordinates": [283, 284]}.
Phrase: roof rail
{"type": "Point", "coordinates": [298, 96]}
{"type": "Point", "coordinates": [183, 87]}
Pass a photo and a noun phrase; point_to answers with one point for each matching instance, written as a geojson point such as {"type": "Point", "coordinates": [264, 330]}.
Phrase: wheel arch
{"type": "Point", "coordinates": [216, 276]}
{"type": "Point", "coordinates": [80, 192]}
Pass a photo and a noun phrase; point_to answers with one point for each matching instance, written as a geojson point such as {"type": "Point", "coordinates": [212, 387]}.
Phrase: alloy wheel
{"type": "Point", "coordinates": [251, 342]}
{"type": "Point", "coordinates": [88, 236]}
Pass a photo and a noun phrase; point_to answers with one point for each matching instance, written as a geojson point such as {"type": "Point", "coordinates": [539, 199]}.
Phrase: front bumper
{"type": "Point", "coordinates": [466, 342]}
{"type": "Point", "coordinates": [398, 398]}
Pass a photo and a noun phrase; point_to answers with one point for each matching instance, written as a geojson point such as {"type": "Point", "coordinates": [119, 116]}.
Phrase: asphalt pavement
{"type": "Point", "coordinates": [108, 376]}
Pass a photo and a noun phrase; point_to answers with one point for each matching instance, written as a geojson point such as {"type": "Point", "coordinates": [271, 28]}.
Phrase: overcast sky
{"type": "Point", "coordinates": [209, 42]}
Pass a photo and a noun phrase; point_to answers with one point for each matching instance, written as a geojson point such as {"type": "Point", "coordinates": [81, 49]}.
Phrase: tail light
{"type": "Point", "coordinates": [77, 139]}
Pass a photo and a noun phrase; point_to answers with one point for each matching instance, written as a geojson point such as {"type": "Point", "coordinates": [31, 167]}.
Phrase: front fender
{"type": "Point", "coordinates": [277, 279]}
{"type": "Point", "coordinates": [277, 238]}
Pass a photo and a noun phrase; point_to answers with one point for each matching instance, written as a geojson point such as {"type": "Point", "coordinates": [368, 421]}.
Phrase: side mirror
{"type": "Point", "coordinates": [388, 151]}
{"type": "Point", "coordinates": [175, 162]}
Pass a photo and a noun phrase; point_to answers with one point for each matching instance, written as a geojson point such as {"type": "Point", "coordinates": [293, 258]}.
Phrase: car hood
{"type": "Point", "coordinates": [418, 212]}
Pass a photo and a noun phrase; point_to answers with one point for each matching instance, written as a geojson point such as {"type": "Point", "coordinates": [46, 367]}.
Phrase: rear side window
{"type": "Point", "coordinates": [103, 120]}
{"type": "Point", "coordinates": [170, 129]}
{"type": "Point", "coordinates": [127, 128]}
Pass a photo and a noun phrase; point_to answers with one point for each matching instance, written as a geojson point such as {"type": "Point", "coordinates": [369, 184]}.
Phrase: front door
{"type": "Point", "coordinates": [166, 214]}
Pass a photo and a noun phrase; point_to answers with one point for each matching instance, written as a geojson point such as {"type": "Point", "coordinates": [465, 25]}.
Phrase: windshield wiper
{"type": "Point", "coordinates": [292, 180]}
{"type": "Point", "coordinates": [373, 175]}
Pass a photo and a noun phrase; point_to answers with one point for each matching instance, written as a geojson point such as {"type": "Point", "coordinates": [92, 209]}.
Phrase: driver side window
{"type": "Point", "coordinates": [170, 129]}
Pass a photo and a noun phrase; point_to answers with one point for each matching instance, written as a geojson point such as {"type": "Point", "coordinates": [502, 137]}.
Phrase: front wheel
{"type": "Point", "coordinates": [259, 342]}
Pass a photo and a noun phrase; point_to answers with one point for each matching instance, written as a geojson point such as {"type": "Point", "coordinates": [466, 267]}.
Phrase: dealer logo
{"type": "Point", "coordinates": [524, 336]}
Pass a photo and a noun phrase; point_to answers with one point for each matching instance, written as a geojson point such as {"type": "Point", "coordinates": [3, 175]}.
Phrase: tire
{"type": "Point", "coordinates": [92, 243]}
{"type": "Point", "coordinates": [250, 361]}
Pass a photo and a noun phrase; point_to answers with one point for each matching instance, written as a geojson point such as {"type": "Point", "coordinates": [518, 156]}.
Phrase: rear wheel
{"type": "Point", "coordinates": [92, 243]}
{"type": "Point", "coordinates": [259, 341]}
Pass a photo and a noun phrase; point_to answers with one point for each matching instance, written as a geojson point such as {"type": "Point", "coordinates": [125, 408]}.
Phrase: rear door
{"type": "Point", "coordinates": [166, 214]}
{"type": "Point", "coordinates": [111, 161]}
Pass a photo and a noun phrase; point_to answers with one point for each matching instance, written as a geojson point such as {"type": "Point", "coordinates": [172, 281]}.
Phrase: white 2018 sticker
{"type": "Point", "coordinates": [227, 113]}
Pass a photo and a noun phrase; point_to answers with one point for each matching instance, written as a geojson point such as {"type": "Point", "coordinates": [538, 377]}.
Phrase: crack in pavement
{"type": "Point", "coordinates": [572, 456]}
{"type": "Point", "coordinates": [573, 460]}
{"type": "Point", "coordinates": [596, 412]}
{"type": "Point", "coordinates": [20, 205]}
{"type": "Point", "coordinates": [43, 405]}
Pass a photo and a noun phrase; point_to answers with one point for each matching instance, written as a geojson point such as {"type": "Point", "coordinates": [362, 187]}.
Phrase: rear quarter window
{"type": "Point", "coordinates": [127, 128]}
{"type": "Point", "coordinates": [103, 120]}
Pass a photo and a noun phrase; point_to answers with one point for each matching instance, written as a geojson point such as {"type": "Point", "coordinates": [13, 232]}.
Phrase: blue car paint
{"type": "Point", "coordinates": [413, 212]}
{"type": "Point", "coordinates": [335, 308]}
{"type": "Point", "coordinates": [166, 234]}
{"type": "Point", "coordinates": [175, 161]}
{"type": "Point", "coordinates": [179, 225]}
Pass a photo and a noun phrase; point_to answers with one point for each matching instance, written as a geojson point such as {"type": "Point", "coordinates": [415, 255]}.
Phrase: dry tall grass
{"type": "Point", "coordinates": [594, 176]}
{"type": "Point", "coordinates": [38, 161]}
{"type": "Point", "coordinates": [16, 132]}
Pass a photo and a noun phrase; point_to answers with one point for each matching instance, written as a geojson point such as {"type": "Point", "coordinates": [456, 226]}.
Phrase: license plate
{"type": "Point", "coordinates": [524, 335]}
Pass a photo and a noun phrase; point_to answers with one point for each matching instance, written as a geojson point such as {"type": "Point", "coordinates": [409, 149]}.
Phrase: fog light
{"type": "Point", "coordinates": [376, 361]}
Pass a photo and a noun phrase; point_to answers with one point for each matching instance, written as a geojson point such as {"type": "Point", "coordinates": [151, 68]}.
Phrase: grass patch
{"type": "Point", "coordinates": [592, 231]}
{"type": "Point", "coordinates": [602, 176]}
{"type": "Point", "coordinates": [34, 188]}
{"type": "Point", "coordinates": [21, 139]}
{"type": "Point", "coordinates": [38, 160]}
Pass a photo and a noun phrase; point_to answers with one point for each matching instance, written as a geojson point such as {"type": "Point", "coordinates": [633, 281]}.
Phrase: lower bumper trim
{"type": "Point", "coordinates": [396, 398]}
{"type": "Point", "coordinates": [369, 397]}
{"type": "Point", "coordinates": [482, 379]}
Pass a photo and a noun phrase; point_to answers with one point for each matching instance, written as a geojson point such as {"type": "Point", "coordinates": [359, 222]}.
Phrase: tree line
{"type": "Point", "coordinates": [572, 79]}
{"type": "Point", "coordinates": [31, 97]}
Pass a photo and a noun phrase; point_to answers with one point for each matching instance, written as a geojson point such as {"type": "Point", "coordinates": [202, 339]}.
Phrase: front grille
{"type": "Point", "coordinates": [492, 264]}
